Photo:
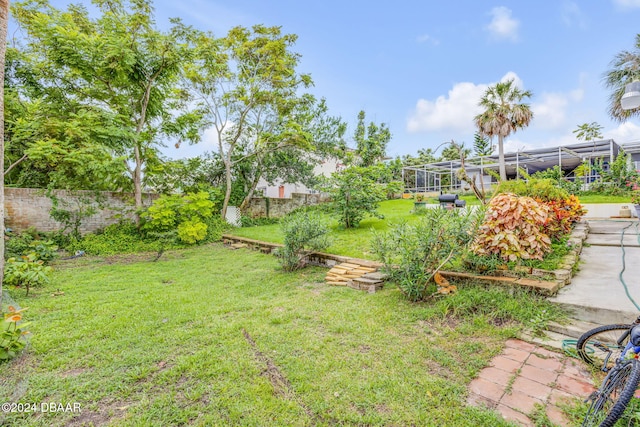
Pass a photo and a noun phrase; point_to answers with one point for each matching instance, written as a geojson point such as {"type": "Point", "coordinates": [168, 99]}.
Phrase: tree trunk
{"type": "Point", "coordinates": [227, 193]}
{"type": "Point", "coordinates": [137, 182]}
{"type": "Point", "coordinates": [4, 18]}
{"type": "Point", "coordinates": [503, 167]}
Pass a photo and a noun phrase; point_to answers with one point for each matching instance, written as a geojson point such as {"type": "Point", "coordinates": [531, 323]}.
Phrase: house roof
{"type": "Point", "coordinates": [569, 156]}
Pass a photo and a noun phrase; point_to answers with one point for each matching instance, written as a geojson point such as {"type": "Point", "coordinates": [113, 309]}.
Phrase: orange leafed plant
{"type": "Point", "coordinates": [512, 228]}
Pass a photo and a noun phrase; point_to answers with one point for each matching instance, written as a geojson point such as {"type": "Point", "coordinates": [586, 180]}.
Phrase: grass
{"type": "Point", "coordinates": [209, 336]}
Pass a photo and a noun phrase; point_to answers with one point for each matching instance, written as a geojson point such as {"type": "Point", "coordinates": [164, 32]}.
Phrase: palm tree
{"type": "Point", "coordinates": [504, 113]}
{"type": "Point", "coordinates": [625, 69]}
{"type": "Point", "coordinates": [4, 19]}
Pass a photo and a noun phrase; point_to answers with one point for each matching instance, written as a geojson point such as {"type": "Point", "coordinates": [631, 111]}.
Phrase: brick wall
{"type": "Point", "coordinates": [28, 207]}
{"type": "Point", "coordinates": [263, 207]}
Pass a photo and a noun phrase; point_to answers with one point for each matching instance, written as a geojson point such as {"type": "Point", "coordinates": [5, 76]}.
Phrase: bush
{"type": "Point", "coordinates": [355, 195]}
{"type": "Point", "coordinates": [184, 214]}
{"type": "Point", "coordinates": [123, 237]}
{"type": "Point", "coordinates": [412, 253]}
{"type": "Point", "coordinates": [303, 233]}
{"type": "Point", "coordinates": [27, 271]}
{"type": "Point", "coordinates": [512, 228]}
{"type": "Point", "coordinates": [543, 189]}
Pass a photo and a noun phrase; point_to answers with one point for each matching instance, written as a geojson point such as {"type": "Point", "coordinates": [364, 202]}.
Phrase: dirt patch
{"type": "Point", "coordinates": [73, 373]}
{"type": "Point", "coordinates": [281, 385]}
{"type": "Point", "coordinates": [106, 413]}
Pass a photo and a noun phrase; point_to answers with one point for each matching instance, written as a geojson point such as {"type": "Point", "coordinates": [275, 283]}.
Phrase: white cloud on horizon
{"type": "Point", "coordinates": [625, 132]}
{"type": "Point", "coordinates": [503, 26]}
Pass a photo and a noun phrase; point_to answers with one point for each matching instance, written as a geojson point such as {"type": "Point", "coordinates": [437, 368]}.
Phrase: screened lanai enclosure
{"type": "Point", "coordinates": [443, 176]}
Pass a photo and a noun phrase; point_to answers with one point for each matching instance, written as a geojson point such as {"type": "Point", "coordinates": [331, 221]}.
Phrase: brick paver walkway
{"type": "Point", "coordinates": [525, 374]}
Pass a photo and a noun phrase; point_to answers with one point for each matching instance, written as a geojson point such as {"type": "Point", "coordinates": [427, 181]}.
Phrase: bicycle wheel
{"type": "Point", "coordinates": [610, 401]}
{"type": "Point", "coordinates": [599, 347]}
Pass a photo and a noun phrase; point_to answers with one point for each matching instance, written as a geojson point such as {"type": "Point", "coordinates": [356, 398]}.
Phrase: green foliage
{"type": "Point", "coordinates": [482, 145]}
{"type": "Point", "coordinates": [588, 131]}
{"type": "Point", "coordinates": [27, 271]}
{"type": "Point", "coordinates": [557, 175]}
{"type": "Point", "coordinates": [71, 211]}
{"type": "Point", "coordinates": [185, 214]}
{"type": "Point", "coordinates": [371, 142]}
{"type": "Point", "coordinates": [618, 178]}
{"type": "Point", "coordinates": [536, 188]}
{"type": "Point", "coordinates": [121, 238]}
{"type": "Point", "coordinates": [412, 253]}
{"type": "Point", "coordinates": [355, 194]}
{"type": "Point", "coordinates": [512, 228]}
{"type": "Point", "coordinates": [45, 250]}
{"type": "Point", "coordinates": [12, 334]}
{"type": "Point", "coordinates": [303, 232]}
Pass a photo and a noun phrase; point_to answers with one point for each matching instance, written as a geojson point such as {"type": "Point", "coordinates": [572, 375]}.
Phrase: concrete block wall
{"type": "Point", "coordinates": [29, 207]}
{"type": "Point", "coordinates": [263, 207]}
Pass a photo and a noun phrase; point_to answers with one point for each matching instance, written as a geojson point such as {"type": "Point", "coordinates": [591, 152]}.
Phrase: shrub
{"type": "Point", "coordinates": [45, 250]}
{"type": "Point", "coordinates": [413, 253]}
{"type": "Point", "coordinates": [557, 175]}
{"type": "Point", "coordinates": [185, 214]}
{"type": "Point", "coordinates": [303, 233]}
{"type": "Point", "coordinates": [26, 271]}
{"type": "Point", "coordinates": [12, 334]}
{"type": "Point", "coordinates": [123, 237]}
{"type": "Point", "coordinates": [512, 228]}
{"type": "Point", "coordinates": [563, 214]}
{"type": "Point", "coordinates": [355, 195]}
{"type": "Point", "coordinates": [543, 189]}
{"type": "Point", "coordinates": [17, 245]}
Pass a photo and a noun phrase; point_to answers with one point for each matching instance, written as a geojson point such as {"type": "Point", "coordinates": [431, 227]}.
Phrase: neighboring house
{"type": "Point", "coordinates": [282, 190]}
{"type": "Point", "coordinates": [633, 149]}
{"type": "Point", "coordinates": [442, 176]}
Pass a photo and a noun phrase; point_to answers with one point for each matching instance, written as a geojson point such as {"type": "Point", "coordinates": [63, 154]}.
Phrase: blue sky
{"type": "Point", "coordinates": [422, 66]}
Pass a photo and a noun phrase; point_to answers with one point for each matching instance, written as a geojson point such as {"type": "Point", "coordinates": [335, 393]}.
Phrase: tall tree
{"type": "Point", "coordinates": [249, 90]}
{"type": "Point", "coordinates": [117, 66]}
{"type": "Point", "coordinates": [482, 145]}
{"type": "Point", "coordinates": [504, 113]}
{"type": "Point", "coordinates": [4, 19]}
{"type": "Point", "coordinates": [625, 68]}
{"type": "Point", "coordinates": [588, 131]}
{"type": "Point", "coordinates": [371, 141]}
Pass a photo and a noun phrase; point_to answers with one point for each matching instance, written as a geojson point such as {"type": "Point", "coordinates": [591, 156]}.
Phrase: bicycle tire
{"type": "Point", "coordinates": [601, 343]}
{"type": "Point", "coordinates": [612, 398]}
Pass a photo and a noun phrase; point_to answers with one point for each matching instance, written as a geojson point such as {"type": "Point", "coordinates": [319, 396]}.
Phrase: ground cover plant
{"type": "Point", "coordinates": [211, 336]}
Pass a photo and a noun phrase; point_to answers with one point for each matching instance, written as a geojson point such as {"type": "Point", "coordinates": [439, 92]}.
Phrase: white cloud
{"type": "Point", "coordinates": [502, 25]}
{"type": "Point", "coordinates": [550, 111]}
{"type": "Point", "coordinates": [426, 38]}
{"type": "Point", "coordinates": [454, 112]}
{"type": "Point", "coordinates": [625, 132]}
{"type": "Point", "coordinates": [627, 4]}
{"type": "Point", "coordinates": [573, 16]}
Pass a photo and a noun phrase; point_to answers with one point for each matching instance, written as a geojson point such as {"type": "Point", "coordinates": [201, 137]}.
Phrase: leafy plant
{"type": "Point", "coordinates": [303, 233]}
{"type": "Point", "coordinates": [185, 214]}
{"type": "Point", "coordinates": [123, 237]}
{"type": "Point", "coordinates": [12, 335]}
{"type": "Point", "coordinates": [355, 194]}
{"type": "Point", "coordinates": [635, 197]}
{"type": "Point", "coordinates": [72, 211]}
{"type": "Point", "coordinates": [45, 250]}
{"type": "Point", "coordinates": [512, 229]}
{"type": "Point", "coordinates": [27, 271]}
{"type": "Point", "coordinates": [413, 253]}
{"type": "Point", "coordinates": [563, 214]}
{"type": "Point", "coordinates": [538, 188]}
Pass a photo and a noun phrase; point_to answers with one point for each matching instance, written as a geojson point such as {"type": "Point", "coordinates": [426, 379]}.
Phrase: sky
{"type": "Point", "coordinates": [422, 66]}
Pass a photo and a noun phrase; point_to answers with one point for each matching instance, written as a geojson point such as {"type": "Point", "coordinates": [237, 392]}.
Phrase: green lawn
{"type": "Point", "coordinates": [214, 337]}
{"type": "Point", "coordinates": [349, 242]}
